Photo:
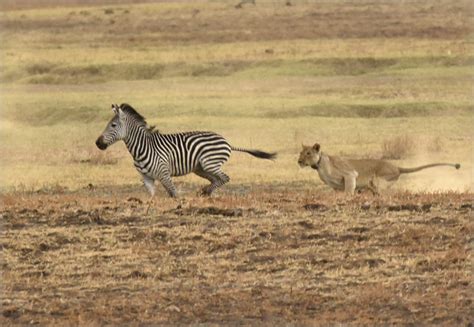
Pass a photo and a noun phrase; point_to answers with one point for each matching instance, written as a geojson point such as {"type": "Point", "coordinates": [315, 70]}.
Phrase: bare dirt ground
{"type": "Point", "coordinates": [251, 255]}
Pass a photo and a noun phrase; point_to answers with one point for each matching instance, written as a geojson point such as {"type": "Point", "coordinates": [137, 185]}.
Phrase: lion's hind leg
{"type": "Point", "coordinates": [373, 186]}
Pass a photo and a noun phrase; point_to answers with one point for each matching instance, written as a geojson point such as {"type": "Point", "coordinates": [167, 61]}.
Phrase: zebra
{"type": "Point", "coordinates": [160, 156]}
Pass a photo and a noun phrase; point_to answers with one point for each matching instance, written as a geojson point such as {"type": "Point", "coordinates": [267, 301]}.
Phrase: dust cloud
{"type": "Point", "coordinates": [438, 179]}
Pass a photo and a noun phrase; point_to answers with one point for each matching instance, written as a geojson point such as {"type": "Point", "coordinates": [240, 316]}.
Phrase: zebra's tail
{"type": "Point", "coordinates": [257, 153]}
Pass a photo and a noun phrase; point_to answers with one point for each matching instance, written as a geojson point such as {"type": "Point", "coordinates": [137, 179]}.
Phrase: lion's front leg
{"type": "Point", "coordinates": [350, 182]}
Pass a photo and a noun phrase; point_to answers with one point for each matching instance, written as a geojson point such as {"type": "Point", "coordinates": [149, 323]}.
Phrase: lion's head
{"type": "Point", "coordinates": [310, 156]}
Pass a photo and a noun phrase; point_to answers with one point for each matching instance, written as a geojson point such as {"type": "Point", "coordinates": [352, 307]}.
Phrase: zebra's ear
{"type": "Point", "coordinates": [115, 109]}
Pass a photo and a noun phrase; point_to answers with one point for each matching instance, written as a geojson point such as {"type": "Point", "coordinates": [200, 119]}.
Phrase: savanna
{"type": "Point", "coordinates": [274, 246]}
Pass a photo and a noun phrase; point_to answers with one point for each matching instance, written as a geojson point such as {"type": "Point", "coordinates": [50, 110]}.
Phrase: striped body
{"type": "Point", "coordinates": [178, 154]}
{"type": "Point", "coordinates": [161, 156]}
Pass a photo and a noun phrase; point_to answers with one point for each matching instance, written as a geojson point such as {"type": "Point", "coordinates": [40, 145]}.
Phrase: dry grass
{"type": "Point", "coordinates": [170, 39]}
{"type": "Point", "coordinates": [220, 22]}
{"type": "Point", "coordinates": [267, 76]}
{"type": "Point", "coordinates": [93, 157]}
{"type": "Point", "coordinates": [399, 147]}
{"type": "Point", "coordinates": [436, 144]}
{"type": "Point", "coordinates": [252, 255]}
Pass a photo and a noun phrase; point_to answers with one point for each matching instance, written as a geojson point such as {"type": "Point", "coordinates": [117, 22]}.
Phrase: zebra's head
{"type": "Point", "coordinates": [115, 130]}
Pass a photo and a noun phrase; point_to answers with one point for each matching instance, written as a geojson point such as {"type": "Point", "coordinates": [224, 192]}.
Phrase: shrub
{"type": "Point", "coordinates": [435, 144]}
{"type": "Point", "coordinates": [94, 157]}
{"type": "Point", "coordinates": [39, 68]}
{"type": "Point", "coordinates": [398, 147]}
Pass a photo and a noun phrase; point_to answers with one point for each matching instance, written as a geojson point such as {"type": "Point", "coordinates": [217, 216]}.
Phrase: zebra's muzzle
{"type": "Point", "coordinates": [100, 143]}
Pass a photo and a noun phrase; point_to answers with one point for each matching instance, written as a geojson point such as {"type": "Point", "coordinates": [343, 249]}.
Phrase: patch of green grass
{"type": "Point", "coordinates": [351, 66]}
{"type": "Point", "coordinates": [419, 109]}
{"type": "Point", "coordinates": [53, 73]}
{"type": "Point", "coordinates": [51, 115]}
{"type": "Point", "coordinates": [49, 73]}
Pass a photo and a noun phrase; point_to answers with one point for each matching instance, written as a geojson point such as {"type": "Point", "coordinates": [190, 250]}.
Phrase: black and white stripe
{"type": "Point", "coordinates": [162, 156]}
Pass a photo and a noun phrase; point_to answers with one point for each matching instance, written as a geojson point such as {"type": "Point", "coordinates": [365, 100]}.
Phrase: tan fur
{"type": "Point", "coordinates": [354, 174]}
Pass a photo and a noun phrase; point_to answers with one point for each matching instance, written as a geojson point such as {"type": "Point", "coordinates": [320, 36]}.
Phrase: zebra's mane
{"type": "Point", "coordinates": [132, 112]}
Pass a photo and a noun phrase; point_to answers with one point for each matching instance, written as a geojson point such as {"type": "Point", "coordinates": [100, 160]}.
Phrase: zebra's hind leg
{"type": "Point", "coordinates": [204, 174]}
{"type": "Point", "coordinates": [216, 176]}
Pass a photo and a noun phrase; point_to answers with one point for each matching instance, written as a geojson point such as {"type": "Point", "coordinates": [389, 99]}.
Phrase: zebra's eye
{"type": "Point", "coordinates": [114, 125]}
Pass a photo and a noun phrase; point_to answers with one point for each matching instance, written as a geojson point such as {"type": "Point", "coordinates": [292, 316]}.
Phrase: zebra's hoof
{"type": "Point", "coordinates": [205, 191]}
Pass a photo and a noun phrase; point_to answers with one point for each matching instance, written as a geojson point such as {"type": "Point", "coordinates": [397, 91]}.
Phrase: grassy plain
{"type": "Point", "coordinates": [268, 76]}
{"type": "Point", "coordinates": [348, 75]}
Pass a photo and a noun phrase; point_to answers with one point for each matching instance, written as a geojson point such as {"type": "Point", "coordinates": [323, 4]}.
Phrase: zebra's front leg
{"type": "Point", "coordinates": [165, 180]}
{"type": "Point", "coordinates": [150, 186]}
{"type": "Point", "coordinates": [171, 189]}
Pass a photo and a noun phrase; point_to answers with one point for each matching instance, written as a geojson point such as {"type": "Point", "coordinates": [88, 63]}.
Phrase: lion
{"type": "Point", "coordinates": [350, 175]}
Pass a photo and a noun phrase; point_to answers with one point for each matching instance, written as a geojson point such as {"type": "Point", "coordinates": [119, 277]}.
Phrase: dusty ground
{"type": "Point", "coordinates": [248, 255]}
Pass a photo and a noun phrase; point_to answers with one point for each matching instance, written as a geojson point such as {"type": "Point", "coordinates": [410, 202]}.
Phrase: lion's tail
{"type": "Point", "coordinates": [415, 169]}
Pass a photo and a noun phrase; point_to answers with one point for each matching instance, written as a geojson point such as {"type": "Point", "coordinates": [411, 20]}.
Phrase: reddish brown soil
{"type": "Point", "coordinates": [266, 255]}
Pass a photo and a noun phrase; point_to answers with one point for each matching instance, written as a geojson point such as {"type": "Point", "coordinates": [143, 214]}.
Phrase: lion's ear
{"type": "Point", "coordinates": [316, 147]}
